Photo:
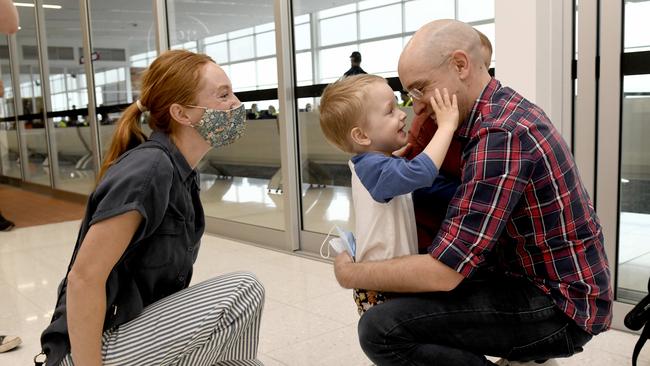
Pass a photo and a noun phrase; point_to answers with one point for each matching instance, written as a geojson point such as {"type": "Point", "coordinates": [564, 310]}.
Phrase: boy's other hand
{"type": "Point", "coordinates": [445, 109]}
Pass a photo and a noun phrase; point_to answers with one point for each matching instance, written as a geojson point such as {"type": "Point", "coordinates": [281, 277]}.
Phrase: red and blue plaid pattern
{"type": "Point", "coordinates": [522, 208]}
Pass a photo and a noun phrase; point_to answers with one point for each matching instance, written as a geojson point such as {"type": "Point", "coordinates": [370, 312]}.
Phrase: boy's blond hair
{"type": "Point", "coordinates": [342, 108]}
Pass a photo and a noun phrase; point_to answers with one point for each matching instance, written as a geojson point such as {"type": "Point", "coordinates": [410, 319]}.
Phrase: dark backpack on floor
{"type": "Point", "coordinates": [638, 318]}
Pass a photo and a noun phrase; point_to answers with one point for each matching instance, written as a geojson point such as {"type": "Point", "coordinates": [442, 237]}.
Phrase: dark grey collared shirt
{"type": "Point", "coordinates": [155, 180]}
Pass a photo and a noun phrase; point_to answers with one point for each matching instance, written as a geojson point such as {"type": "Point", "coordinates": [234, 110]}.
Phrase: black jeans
{"type": "Point", "coordinates": [494, 316]}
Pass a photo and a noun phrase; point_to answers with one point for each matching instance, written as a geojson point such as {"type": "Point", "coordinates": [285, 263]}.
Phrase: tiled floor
{"type": "Point", "coordinates": [308, 319]}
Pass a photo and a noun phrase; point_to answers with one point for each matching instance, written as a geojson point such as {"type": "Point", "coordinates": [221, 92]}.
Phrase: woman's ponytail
{"type": "Point", "coordinates": [127, 135]}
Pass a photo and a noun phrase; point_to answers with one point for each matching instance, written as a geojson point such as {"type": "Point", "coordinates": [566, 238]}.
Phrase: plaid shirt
{"type": "Point", "coordinates": [522, 208]}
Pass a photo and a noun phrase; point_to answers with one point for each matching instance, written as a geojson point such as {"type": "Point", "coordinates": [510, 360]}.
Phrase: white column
{"type": "Point", "coordinates": [533, 41]}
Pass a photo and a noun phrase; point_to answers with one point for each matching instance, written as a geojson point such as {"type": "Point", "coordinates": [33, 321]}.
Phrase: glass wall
{"type": "Point", "coordinates": [124, 44]}
{"type": "Point", "coordinates": [32, 134]}
{"type": "Point", "coordinates": [240, 182]}
{"type": "Point", "coordinates": [71, 137]}
{"type": "Point", "coordinates": [325, 35]}
{"type": "Point", "coordinates": [9, 152]}
{"type": "Point", "coordinates": [634, 219]}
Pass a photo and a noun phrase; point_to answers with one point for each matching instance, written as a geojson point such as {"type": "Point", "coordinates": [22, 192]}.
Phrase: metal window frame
{"type": "Point", "coordinates": [584, 140]}
{"type": "Point", "coordinates": [43, 59]}
{"type": "Point", "coordinates": [86, 28]}
{"type": "Point", "coordinates": [18, 107]}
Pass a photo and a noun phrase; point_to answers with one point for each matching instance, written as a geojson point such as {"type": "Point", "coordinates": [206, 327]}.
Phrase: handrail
{"type": "Point", "coordinates": [309, 91]}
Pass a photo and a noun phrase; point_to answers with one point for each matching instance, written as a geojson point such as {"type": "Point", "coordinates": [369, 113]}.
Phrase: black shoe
{"type": "Point", "coordinates": [5, 225]}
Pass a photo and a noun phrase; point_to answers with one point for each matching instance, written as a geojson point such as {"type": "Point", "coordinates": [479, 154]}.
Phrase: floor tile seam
{"type": "Point", "coordinates": [274, 359]}
{"type": "Point", "coordinates": [311, 312]}
{"type": "Point", "coordinates": [304, 340]}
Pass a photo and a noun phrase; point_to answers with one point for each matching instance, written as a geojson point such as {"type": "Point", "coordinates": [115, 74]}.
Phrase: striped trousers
{"type": "Point", "coordinates": [215, 322]}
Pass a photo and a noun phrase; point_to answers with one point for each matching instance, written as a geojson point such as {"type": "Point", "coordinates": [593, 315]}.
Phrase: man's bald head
{"type": "Point", "coordinates": [437, 40]}
{"type": "Point", "coordinates": [444, 54]}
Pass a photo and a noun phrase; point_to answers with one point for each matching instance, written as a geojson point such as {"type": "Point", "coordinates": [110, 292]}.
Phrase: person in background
{"type": "Point", "coordinates": [8, 25]}
{"type": "Point", "coordinates": [253, 113]}
{"type": "Point", "coordinates": [355, 65]}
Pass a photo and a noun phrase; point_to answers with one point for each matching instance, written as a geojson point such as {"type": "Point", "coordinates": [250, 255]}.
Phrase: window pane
{"type": "Point", "coordinates": [381, 21]}
{"type": "Point", "coordinates": [240, 33]}
{"type": "Point", "coordinates": [420, 12]}
{"type": "Point", "coordinates": [304, 74]}
{"type": "Point", "coordinates": [217, 38]}
{"type": "Point", "coordinates": [637, 36]}
{"type": "Point", "coordinates": [267, 73]}
{"type": "Point", "coordinates": [242, 48]}
{"type": "Point", "coordinates": [338, 30]}
{"type": "Point", "coordinates": [218, 51]}
{"type": "Point", "coordinates": [474, 10]}
{"type": "Point", "coordinates": [265, 43]}
{"type": "Point", "coordinates": [375, 3]}
{"type": "Point", "coordinates": [633, 251]}
{"type": "Point", "coordinates": [337, 11]}
{"type": "Point", "coordinates": [381, 56]}
{"type": "Point", "coordinates": [302, 36]}
{"type": "Point", "coordinates": [334, 62]}
{"type": "Point", "coordinates": [242, 75]}
{"type": "Point", "coordinates": [265, 27]}
{"type": "Point", "coordinates": [301, 19]}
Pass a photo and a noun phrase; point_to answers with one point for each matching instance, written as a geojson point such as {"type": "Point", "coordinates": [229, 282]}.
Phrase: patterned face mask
{"type": "Point", "coordinates": [220, 128]}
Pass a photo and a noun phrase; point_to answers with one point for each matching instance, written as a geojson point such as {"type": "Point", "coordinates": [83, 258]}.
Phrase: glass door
{"type": "Point", "coordinates": [325, 36]}
{"type": "Point", "coordinates": [241, 185]}
{"type": "Point", "coordinates": [623, 156]}
{"type": "Point", "coordinates": [634, 205]}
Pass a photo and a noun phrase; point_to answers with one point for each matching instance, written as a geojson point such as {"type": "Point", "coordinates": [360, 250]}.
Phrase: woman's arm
{"type": "Point", "coordinates": [102, 247]}
{"type": "Point", "coordinates": [8, 17]}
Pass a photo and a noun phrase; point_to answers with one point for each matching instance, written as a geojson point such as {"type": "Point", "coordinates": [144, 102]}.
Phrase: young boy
{"type": "Point", "coordinates": [359, 115]}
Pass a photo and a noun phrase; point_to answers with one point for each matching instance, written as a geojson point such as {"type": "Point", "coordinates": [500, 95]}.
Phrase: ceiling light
{"type": "Point", "coordinates": [45, 6]}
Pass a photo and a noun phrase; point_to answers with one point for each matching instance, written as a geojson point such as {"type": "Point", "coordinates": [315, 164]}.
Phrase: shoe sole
{"type": "Point", "coordinates": [10, 345]}
{"type": "Point", "coordinates": [8, 229]}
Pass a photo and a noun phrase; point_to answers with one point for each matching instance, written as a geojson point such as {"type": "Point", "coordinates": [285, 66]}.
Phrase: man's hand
{"type": "Point", "coordinates": [341, 262]}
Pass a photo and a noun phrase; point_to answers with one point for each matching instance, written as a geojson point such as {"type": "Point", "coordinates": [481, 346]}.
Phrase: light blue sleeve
{"type": "Point", "coordinates": [386, 177]}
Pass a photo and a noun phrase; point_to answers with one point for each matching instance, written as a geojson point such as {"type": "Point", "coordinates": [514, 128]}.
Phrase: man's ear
{"type": "Point", "coordinates": [461, 64]}
{"type": "Point", "coordinates": [359, 137]}
{"type": "Point", "coordinates": [179, 114]}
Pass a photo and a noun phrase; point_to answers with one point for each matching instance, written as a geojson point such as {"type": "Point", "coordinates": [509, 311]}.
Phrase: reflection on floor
{"type": "Point", "coordinates": [308, 319]}
{"type": "Point", "coordinates": [634, 254]}
{"type": "Point", "coordinates": [70, 179]}
{"type": "Point", "coordinates": [248, 200]}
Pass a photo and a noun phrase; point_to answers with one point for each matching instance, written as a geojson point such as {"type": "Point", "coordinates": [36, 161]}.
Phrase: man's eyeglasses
{"type": "Point", "coordinates": [415, 94]}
